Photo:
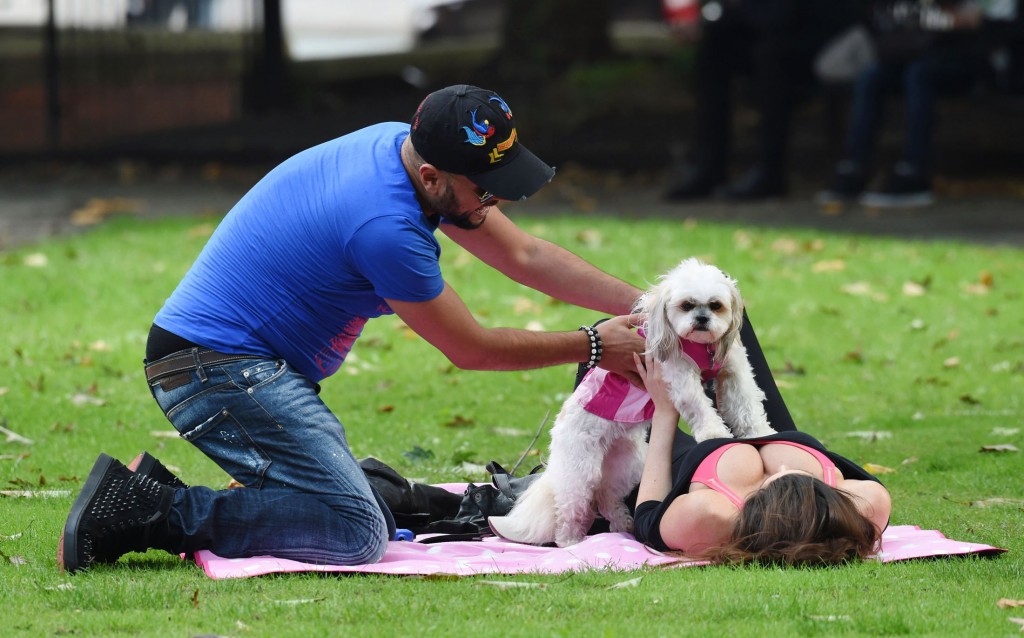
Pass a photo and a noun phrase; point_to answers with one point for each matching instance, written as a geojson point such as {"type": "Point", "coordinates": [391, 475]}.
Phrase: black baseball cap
{"type": "Point", "coordinates": [470, 131]}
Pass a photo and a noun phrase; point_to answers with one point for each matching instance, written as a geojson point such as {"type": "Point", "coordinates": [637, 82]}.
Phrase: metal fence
{"type": "Point", "coordinates": [77, 75]}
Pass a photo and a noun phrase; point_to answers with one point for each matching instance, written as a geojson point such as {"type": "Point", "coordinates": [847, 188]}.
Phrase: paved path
{"type": "Point", "coordinates": [39, 203]}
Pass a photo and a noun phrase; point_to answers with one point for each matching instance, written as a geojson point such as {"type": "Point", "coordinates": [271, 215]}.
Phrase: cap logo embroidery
{"type": "Point", "coordinates": [480, 131]}
{"type": "Point", "coordinates": [501, 103]}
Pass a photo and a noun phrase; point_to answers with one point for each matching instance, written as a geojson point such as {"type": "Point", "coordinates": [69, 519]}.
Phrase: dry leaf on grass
{"type": "Point", "coordinates": [1007, 603]}
{"type": "Point", "coordinates": [632, 582]}
{"type": "Point", "coordinates": [505, 584]}
{"type": "Point", "coordinates": [14, 437]}
{"type": "Point", "coordinates": [876, 469]}
{"type": "Point", "coordinates": [1003, 447]}
{"type": "Point", "coordinates": [36, 493]}
{"type": "Point", "coordinates": [988, 502]}
{"type": "Point", "coordinates": [1017, 621]}
{"type": "Point", "coordinates": [870, 435]}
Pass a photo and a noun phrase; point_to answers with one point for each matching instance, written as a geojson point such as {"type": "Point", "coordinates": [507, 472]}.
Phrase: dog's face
{"type": "Point", "coordinates": [695, 301]}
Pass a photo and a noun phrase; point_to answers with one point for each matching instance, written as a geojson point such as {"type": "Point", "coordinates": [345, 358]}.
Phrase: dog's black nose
{"type": "Point", "coordinates": [702, 320]}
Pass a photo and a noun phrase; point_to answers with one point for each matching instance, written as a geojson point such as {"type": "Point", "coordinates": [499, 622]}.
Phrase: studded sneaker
{"type": "Point", "coordinates": [118, 511]}
{"type": "Point", "coordinates": [148, 465]}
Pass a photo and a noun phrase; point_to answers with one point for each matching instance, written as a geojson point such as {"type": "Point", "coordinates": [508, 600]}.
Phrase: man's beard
{"type": "Point", "coordinates": [446, 206]}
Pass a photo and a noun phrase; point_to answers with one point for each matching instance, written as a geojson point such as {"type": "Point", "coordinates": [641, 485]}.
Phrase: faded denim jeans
{"type": "Point", "coordinates": [305, 496]}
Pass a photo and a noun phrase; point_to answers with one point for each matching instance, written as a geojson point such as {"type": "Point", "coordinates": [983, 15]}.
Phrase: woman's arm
{"type": "Point", "coordinates": [656, 480]}
{"type": "Point", "coordinates": [871, 499]}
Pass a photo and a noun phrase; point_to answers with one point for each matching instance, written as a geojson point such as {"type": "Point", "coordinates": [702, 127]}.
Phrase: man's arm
{"type": "Point", "coordinates": [544, 266]}
{"type": "Point", "coordinates": [446, 323]}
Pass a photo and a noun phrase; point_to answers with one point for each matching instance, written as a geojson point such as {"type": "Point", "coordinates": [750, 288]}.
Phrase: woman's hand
{"type": "Point", "coordinates": [650, 371]}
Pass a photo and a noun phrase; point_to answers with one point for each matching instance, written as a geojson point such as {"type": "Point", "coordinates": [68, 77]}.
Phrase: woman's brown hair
{"type": "Point", "coordinates": [798, 520]}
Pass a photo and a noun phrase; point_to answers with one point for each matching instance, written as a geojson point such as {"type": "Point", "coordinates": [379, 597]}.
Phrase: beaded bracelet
{"type": "Point", "coordinates": [596, 347]}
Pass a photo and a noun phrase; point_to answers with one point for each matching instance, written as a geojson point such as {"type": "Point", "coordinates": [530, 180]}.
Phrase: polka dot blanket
{"type": "Point", "coordinates": [618, 552]}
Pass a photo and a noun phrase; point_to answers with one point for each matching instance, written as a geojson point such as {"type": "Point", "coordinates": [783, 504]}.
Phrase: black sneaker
{"type": "Point", "coordinates": [847, 184]}
{"type": "Point", "coordinates": [905, 186]}
{"type": "Point", "coordinates": [148, 465]}
{"type": "Point", "coordinates": [118, 511]}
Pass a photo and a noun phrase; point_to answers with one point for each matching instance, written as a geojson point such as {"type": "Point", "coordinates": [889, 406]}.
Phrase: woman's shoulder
{"type": "Point", "coordinates": [698, 520]}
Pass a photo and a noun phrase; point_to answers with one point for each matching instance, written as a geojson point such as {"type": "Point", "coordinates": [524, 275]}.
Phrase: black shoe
{"type": "Point", "coordinates": [693, 182]}
{"type": "Point", "coordinates": [148, 465]}
{"type": "Point", "coordinates": [759, 182]}
{"type": "Point", "coordinates": [847, 184]}
{"type": "Point", "coordinates": [905, 186]}
{"type": "Point", "coordinates": [118, 511]}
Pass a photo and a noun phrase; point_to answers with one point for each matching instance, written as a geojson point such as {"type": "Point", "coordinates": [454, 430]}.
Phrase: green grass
{"type": "Point", "coordinates": [938, 374]}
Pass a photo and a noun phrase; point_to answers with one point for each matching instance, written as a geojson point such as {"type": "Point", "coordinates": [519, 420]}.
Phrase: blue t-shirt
{"type": "Point", "coordinates": [308, 255]}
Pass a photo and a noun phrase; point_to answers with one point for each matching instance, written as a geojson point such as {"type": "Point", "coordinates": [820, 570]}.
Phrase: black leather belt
{"type": "Point", "coordinates": [188, 360]}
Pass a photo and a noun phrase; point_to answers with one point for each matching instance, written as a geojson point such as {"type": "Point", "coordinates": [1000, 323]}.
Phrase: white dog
{"type": "Point", "coordinates": [598, 441]}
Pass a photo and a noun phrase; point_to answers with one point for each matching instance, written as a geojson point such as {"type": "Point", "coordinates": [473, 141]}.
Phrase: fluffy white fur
{"type": "Point", "coordinates": [594, 463]}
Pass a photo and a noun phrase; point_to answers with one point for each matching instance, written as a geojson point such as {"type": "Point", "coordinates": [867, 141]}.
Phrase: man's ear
{"type": "Point", "coordinates": [431, 178]}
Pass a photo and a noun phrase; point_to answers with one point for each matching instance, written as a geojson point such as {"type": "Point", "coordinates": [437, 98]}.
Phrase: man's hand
{"type": "Point", "coordinates": [620, 342]}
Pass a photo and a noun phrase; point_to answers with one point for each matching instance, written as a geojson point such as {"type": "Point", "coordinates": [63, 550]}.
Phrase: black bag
{"type": "Point", "coordinates": [425, 509]}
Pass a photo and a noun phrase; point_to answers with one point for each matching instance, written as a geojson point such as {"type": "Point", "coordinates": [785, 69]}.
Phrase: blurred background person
{"type": "Point", "coordinates": [924, 49]}
{"type": "Point", "coordinates": [772, 41]}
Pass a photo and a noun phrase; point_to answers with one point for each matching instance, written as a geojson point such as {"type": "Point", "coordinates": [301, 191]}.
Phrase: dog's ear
{"type": "Point", "coordinates": [735, 321]}
{"type": "Point", "coordinates": [661, 338]}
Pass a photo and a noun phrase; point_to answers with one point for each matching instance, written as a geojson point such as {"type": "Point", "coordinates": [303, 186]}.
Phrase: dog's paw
{"type": "Point", "coordinates": [623, 524]}
{"type": "Point", "coordinates": [712, 432]}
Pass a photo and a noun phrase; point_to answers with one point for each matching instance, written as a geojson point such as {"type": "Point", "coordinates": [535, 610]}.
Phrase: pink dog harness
{"type": "Point", "coordinates": [611, 396]}
{"type": "Point", "coordinates": [707, 471]}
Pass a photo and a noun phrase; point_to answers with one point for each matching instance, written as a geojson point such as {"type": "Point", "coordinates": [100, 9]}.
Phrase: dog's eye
{"type": "Point", "coordinates": [687, 306]}
{"type": "Point", "coordinates": [715, 306]}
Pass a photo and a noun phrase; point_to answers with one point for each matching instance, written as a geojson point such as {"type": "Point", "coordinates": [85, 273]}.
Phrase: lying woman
{"type": "Point", "coordinates": [782, 498]}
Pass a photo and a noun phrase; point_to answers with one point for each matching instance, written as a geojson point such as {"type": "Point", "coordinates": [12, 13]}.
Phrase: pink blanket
{"type": "Point", "coordinates": [618, 552]}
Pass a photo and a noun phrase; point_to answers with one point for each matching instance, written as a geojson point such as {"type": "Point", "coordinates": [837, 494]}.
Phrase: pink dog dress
{"type": "Point", "coordinates": [612, 397]}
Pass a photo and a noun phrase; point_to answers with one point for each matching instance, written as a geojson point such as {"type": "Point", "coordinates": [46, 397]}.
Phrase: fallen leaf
{"type": "Point", "coordinates": [632, 582]}
{"type": "Point", "coordinates": [14, 437]}
{"type": "Point", "coordinates": [164, 434]}
{"type": "Point", "coordinates": [509, 431]}
{"type": "Point", "coordinates": [829, 265]}
{"type": "Point", "coordinates": [80, 399]}
{"type": "Point", "coordinates": [870, 435]}
{"type": "Point", "coordinates": [589, 237]}
{"type": "Point", "coordinates": [1007, 603]}
{"type": "Point", "coordinates": [459, 421]}
{"type": "Point", "coordinates": [913, 289]}
{"type": "Point", "coordinates": [522, 305]}
{"type": "Point", "coordinates": [296, 601]}
{"type": "Point", "coordinates": [386, 409]}
{"type": "Point", "coordinates": [1003, 447]}
{"type": "Point", "coordinates": [35, 493]}
{"type": "Point", "coordinates": [195, 598]}
{"type": "Point", "coordinates": [786, 246]}
{"type": "Point", "coordinates": [61, 587]}
{"type": "Point", "coordinates": [951, 362]}
{"type": "Point", "coordinates": [35, 260]}
{"type": "Point", "coordinates": [1005, 431]}
{"type": "Point", "coordinates": [910, 460]}
{"type": "Point", "coordinates": [1017, 621]}
{"type": "Point", "coordinates": [534, 326]}
{"type": "Point", "coordinates": [831, 618]}
{"type": "Point", "coordinates": [504, 584]}
{"type": "Point", "coordinates": [12, 537]}
{"type": "Point", "coordinates": [878, 469]}
{"type": "Point", "coordinates": [969, 400]}
{"type": "Point", "coordinates": [988, 502]}
{"type": "Point", "coordinates": [18, 560]}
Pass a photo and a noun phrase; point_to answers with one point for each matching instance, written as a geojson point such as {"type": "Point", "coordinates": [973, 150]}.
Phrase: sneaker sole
{"type": "Point", "coordinates": [68, 559]}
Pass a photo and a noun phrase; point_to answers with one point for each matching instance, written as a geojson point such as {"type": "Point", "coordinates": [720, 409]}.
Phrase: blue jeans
{"type": "Point", "coordinates": [306, 497]}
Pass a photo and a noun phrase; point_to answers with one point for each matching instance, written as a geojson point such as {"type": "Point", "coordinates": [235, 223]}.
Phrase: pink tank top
{"type": "Point", "coordinates": [707, 471]}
